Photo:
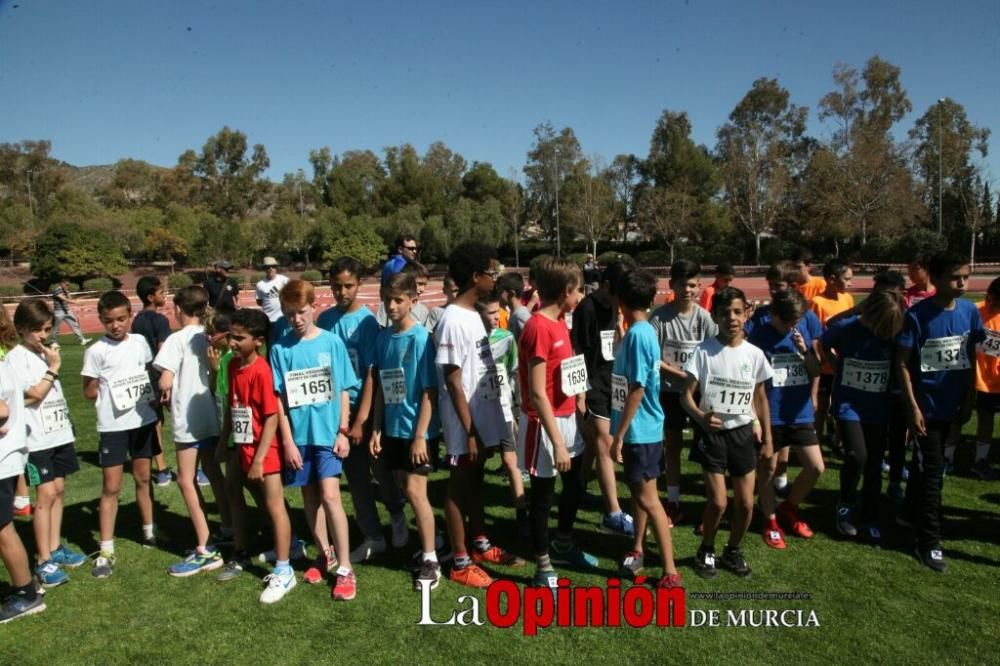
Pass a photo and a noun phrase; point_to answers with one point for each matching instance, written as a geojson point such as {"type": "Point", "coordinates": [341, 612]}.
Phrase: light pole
{"type": "Point", "coordinates": [940, 168]}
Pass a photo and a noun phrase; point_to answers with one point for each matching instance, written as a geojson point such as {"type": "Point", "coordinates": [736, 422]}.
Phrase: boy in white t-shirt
{"type": "Point", "coordinates": [115, 374]}
{"type": "Point", "coordinates": [471, 414]}
{"type": "Point", "coordinates": [51, 455]}
{"type": "Point", "coordinates": [186, 387]}
{"type": "Point", "coordinates": [734, 416]}
{"type": "Point", "coordinates": [266, 291]}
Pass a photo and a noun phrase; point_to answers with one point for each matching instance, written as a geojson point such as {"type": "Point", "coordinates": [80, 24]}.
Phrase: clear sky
{"type": "Point", "coordinates": [108, 79]}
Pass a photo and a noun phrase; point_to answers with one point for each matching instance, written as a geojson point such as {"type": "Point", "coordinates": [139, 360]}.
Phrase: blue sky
{"type": "Point", "coordinates": [109, 79]}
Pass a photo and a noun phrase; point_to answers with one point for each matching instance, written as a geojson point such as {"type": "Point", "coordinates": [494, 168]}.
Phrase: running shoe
{"type": "Point", "coordinates": [549, 579]}
{"type": "Point", "coordinates": [232, 569]}
{"type": "Point", "coordinates": [368, 549]}
{"type": "Point", "coordinates": [297, 552]}
{"type": "Point", "coordinates": [195, 562]}
{"type": "Point", "coordinates": [324, 564]}
{"type": "Point", "coordinates": [104, 564]}
{"type": "Point", "coordinates": [19, 606]}
{"type": "Point", "coordinates": [670, 581]}
{"type": "Point", "coordinates": [871, 535]}
{"type": "Point", "coordinates": [201, 479]}
{"type": "Point", "coordinates": [704, 563]}
{"type": "Point", "coordinates": [982, 471]}
{"type": "Point", "coordinates": [346, 587]}
{"type": "Point", "coordinates": [278, 585]}
{"type": "Point", "coordinates": [444, 554]}
{"type": "Point", "coordinates": [775, 538]}
{"type": "Point", "coordinates": [164, 478]}
{"type": "Point", "coordinates": [68, 558]}
{"type": "Point", "coordinates": [470, 576]}
{"type": "Point", "coordinates": [148, 543]}
{"type": "Point", "coordinates": [429, 572]}
{"type": "Point", "coordinates": [496, 555]}
{"type": "Point", "coordinates": [572, 555]}
{"type": "Point", "coordinates": [845, 521]}
{"type": "Point", "coordinates": [932, 558]}
{"type": "Point", "coordinates": [632, 564]}
{"type": "Point", "coordinates": [618, 523]}
{"type": "Point", "coordinates": [24, 511]}
{"type": "Point", "coordinates": [789, 514]}
{"type": "Point", "coordinates": [733, 560]}
{"type": "Point", "coordinates": [50, 574]}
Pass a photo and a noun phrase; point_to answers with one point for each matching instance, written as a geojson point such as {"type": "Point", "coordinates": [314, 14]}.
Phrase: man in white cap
{"type": "Point", "coordinates": [268, 289]}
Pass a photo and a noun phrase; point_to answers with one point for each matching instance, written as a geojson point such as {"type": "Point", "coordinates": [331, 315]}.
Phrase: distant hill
{"type": "Point", "coordinates": [93, 177]}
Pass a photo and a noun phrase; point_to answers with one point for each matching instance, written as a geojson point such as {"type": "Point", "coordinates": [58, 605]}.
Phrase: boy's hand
{"type": "Point", "coordinates": [165, 397]}
{"type": "Point", "coordinates": [293, 458]}
{"type": "Point", "coordinates": [758, 432]}
{"type": "Point", "coordinates": [766, 455]}
{"type": "Point", "coordinates": [375, 444]}
{"type": "Point", "coordinates": [256, 472]}
{"type": "Point", "coordinates": [473, 448]}
{"type": "Point", "coordinates": [710, 421]}
{"type": "Point", "coordinates": [799, 341]}
{"type": "Point", "coordinates": [916, 419]}
{"type": "Point", "coordinates": [563, 461]}
{"type": "Point", "coordinates": [52, 357]}
{"type": "Point", "coordinates": [418, 452]}
{"type": "Point", "coordinates": [213, 358]}
{"type": "Point", "coordinates": [617, 445]}
{"type": "Point", "coordinates": [356, 433]}
{"type": "Point", "coordinates": [341, 446]}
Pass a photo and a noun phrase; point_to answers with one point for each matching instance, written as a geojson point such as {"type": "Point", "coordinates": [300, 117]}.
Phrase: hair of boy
{"type": "Point", "coordinates": [834, 268]}
{"type": "Point", "coordinates": [110, 300]}
{"type": "Point", "coordinates": [192, 301]}
{"type": "Point", "coordinates": [555, 276]}
{"type": "Point", "coordinates": [725, 269]}
{"type": "Point", "coordinates": [919, 259]}
{"type": "Point", "coordinates": [614, 271]}
{"type": "Point", "coordinates": [888, 279]}
{"type": "Point", "coordinates": [801, 255]}
{"type": "Point", "coordinates": [788, 306]}
{"type": "Point", "coordinates": [254, 322]}
{"type": "Point", "coordinates": [511, 282]}
{"type": "Point", "coordinates": [637, 289]}
{"type": "Point", "coordinates": [31, 315]}
{"type": "Point", "coordinates": [724, 297]}
{"type": "Point", "coordinates": [994, 289]}
{"type": "Point", "coordinates": [220, 321]}
{"type": "Point", "coordinates": [416, 269]}
{"type": "Point", "coordinates": [399, 284]}
{"type": "Point", "coordinates": [782, 271]}
{"type": "Point", "coordinates": [683, 270]}
{"type": "Point", "coordinates": [146, 287]}
{"type": "Point", "coordinates": [404, 238]}
{"type": "Point", "coordinates": [297, 294]}
{"type": "Point", "coordinates": [883, 311]}
{"type": "Point", "coordinates": [467, 259]}
{"type": "Point", "coordinates": [345, 264]}
{"type": "Point", "coordinates": [449, 283]}
{"type": "Point", "coordinates": [943, 263]}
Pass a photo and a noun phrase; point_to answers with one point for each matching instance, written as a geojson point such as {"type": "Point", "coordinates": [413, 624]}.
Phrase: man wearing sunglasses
{"type": "Point", "coordinates": [406, 250]}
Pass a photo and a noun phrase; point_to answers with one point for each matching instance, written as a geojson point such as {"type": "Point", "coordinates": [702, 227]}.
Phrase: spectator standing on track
{"type": "Point", "coordinates": [267, 290]}
{"type": "Point", "coordinates": [406, 250]}
{"type": "Point", "coordinates": [222, 290]}
{"type": "Point", "coordinates": [61, 301]}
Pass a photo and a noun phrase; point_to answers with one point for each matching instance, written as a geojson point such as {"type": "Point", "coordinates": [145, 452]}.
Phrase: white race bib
{"type": "Point", "coordinates": [242, 418]}
{"type": "Point", "coordinates": [608, 345]}
{"type": "Point", "coordinates": [393, 385]}
{"type": "Point", "coordinates": [569, 320]}
{"type": "Point", "coordinates": [308, 386]}
{"type": "Point", "coordinates": [574, 375]}
{"type": "Point", "coordinates": [789, 370]}
{"type": "Point", "coordinates": [128, 390]}
{"type": "Point", "coordinates": [868, 376]}
{"type": "Point", "coordinates": [55, 415]}
{"type": "Point", "coordinates": [944, 354]}
{"type": "Point", "coordinates": [677, 352]}
{"type": "Point", "coordinates": [729, 396]}
{"type": "Point", "coordinates": [508, 410]}
{"type": "Point", "coordinates": [490, 383]}
{"type": "Point", "coordinates": [991, 345]}
{"type": "Point", "coordinates": [619, 390]}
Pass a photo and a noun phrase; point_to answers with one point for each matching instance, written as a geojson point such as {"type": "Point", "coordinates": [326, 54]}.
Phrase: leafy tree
{"type": "Point", "coordinates": [590, 205]}
{"type": "Point", "coordinates": [624, 175]}
{"type": "Point", "coordinates": [482, 182]}
{"type": "Point", "coordinates": [353, 237]}
{"type": "Point", "coordinates": [552, 156]}
{"type": "Point", "coordinates": [676, 162]}
{"type": "Point", "coordinates": [26, 168]}
{"type": "Point", "coordinates": [164, 245]}
{"type": "Point", "coordinates": [231, 183]}
{"type": "Point", "coordinates": [68, 249]}
{"type": "Point", "coordinates": [17, 232]}
{"type": "Point", "coordinates": [134, 184]}
{"type": "Point", "coordinates": [352, 182]}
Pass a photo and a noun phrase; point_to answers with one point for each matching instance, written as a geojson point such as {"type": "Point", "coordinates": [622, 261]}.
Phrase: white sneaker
{"type": "Point", "coordinates": [278, 585]}
{"type": "Point", "coordinates": [297, 552]}
{"type": "Point", "coordinates": [367, 550]}
{"type": "Point", "coordinates": [400, 530]}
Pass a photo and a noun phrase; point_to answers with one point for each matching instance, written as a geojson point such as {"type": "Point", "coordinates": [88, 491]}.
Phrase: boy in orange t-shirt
{"type": "Point", "coordinates": [807, 285]}
{"type": "Point", "coordinates": [987, 381]}
{"type": "Point", "coordinates": [832, 301]}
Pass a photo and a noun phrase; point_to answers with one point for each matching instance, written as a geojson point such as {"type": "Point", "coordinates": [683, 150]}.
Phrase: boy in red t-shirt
{"type": "Point", "coordinates": [252, 420]}
{"type": "Point", "coordinates": [554, 386]}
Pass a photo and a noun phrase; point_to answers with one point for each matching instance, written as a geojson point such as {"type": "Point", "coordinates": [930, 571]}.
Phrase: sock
{"type": "Point", "coordinates": [462, 560]}
{"type": "Point", "coordinates": [431, 557]}
{"type": "Point", "coordinates": [781, 481]}
{"type": "Point", "coordinates": [201, 550]}
{"type": "Point", "coordinates": [674, 494]}
{"type": "Point", "coordinates": [949, 454]}
{"type": "Point", "coordinates": [21, 501]}
{"type": "Point", "coordinates": [26, 591]}
{"type": "Point", "coordinates": [482, 543]}
{"type": "Point", "coordinates": [108, 546]}
{"type": "Point", "coordinates": [543, 562]}
{"type": "Point", "coordinates": [147, 531]}
{"type": "Point", "coordinates": [982, 450]}
{"type": "Point", "coordinates": [281, 564]}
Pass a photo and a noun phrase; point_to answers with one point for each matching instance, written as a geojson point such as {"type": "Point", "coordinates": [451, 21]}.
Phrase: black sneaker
{"type": "Point", "coordinates": [19, 606]}
{"type": "Point", "coordinates": [932, 558]}
{"type": "Point", "coordinates": [871, 535]}
{"type": "Point", "coordinates": [704, 563]}
{"type": "Point", "coordinates": [982, 471]}
{"type": "Point", "coordinates": [428, 571]}
{"type": "Point", "coordinates": [845, 521]}
{"type": "Point", "coordinates": [733, 560]}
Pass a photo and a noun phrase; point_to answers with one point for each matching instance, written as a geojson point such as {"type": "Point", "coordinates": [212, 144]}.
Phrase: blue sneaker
{"type": "Point", "coordinates": [572, 555]}
{"type": "Point", "coordinates": [618, 523]}
{"type": "Point", "coordinates": [50, 575]}
{"type": "Point", "coordinates": [17, 606]}
{"type": "Point", "coordinates": [65, 556]}
{"type": "Point", "coordinates": [196, 562]}
{"type": "Point", "coordinates": [201, 479]}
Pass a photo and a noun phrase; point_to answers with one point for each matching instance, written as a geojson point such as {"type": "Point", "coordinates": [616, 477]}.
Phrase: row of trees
{"type": "Point", "coordinates": [765, 185]}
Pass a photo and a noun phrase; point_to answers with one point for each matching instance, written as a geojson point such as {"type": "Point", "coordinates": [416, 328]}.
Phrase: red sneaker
{"type": "Point", "coordinates": [775, 538]}
{"type": "Point", "coordinates": [346, 587]}
{"type": "Point", "coordinates": [671, 581]}
{"type": "Point", "coordinates": [790, 516]}
{"type": "Point", "coordinates": [496, 555]}
{"type": "Point", "coordinates": [25, 510]}
{"type": "Point", "coordinates": [322, 565]}
{"type": "Point", "coordinates": [472, 576]}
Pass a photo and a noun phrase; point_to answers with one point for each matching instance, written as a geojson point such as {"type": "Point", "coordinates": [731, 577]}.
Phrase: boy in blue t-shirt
{"type": "Point", "coordinates": [788, 346]}
{"type": "Point", "coordinates": [405, 431]}
{"type": "Point", "coordinates": [935, 363]}
{"type": "Point", "coordinates": [313, 375]}
{"type": "Point", "coordinates": [357, 328]}
{"type": "Point", "coordinates": [637, 420]}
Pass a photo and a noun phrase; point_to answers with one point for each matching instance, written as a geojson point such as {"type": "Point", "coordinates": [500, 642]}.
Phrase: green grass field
{"type": "Point", "coordinates": [873, 605]}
